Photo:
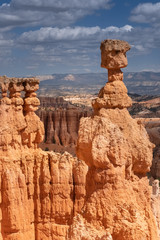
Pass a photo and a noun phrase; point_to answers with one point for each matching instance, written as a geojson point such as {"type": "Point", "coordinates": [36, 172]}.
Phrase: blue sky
{"type": "Point", "coordinates": [40, 37]}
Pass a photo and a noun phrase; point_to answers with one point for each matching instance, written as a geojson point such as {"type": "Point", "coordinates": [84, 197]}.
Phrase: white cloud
{"type": "Point", "coordinates": [60, 4]}
{"type": "Point", "coordinates": [146, 13]}
{"type": "Point", "coordinates": [47, 12]}
{"type": "Point", "coordinates": [79, 46]}
{"type": "Point", "coordinates": [49, 35]}
{"type": "Point", "coordinates": [45, 77]}
{"type": "Point", "coordinates": [57, 44]}
{"type": "Point", "coordinates": [55, 34]}
{"type": "Point", "coordinates": [139, 47]}
{"type": "Point", "coordinates": [5, 41]}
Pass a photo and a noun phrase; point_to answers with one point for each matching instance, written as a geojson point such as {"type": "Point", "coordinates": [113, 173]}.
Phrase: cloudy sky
{"type": "Point", "coordinates": [40, 37]}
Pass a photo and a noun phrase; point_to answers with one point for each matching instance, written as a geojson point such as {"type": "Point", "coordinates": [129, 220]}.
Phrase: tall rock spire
{"type": "Point", "coordinates": [119, 154]}
{"type": "Point", "coordinates": [114, 93]}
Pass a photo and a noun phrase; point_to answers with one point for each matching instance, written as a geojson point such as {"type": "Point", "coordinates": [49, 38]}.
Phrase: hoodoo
{"type": "Point", "coordinates": [40, 191]}
{"type": "Point", "coordinates": [119, 154]}
{"type": "Point", "coordinates": [49, 196]}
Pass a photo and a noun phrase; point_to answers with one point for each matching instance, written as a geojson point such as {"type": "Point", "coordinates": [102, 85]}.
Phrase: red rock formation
{"type": "Point", "coordinates": [40, 191]}
{"type": "Point", "coordinates": [44, 195]}
{"type": "Point", "coordinates": [152, 126]}
{"type": "Point", "coordinates": [119, 154]}
{"type": "Point", "coordinates": [155, 202]}
{"type": "Point", "coordinates": [61, 121]}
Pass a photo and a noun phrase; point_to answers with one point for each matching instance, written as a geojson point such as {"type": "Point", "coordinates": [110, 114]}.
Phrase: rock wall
{"type": "Point", "coordinates": [61, 124]}
{"type": "Point", "coordinates": [40, 191]}
{"type": "Point", "coordinates": [152, 126]}
{"type": "Point", "coordinates": [61, 120]}
{"type": "Point", "coordinates": [40, 194]}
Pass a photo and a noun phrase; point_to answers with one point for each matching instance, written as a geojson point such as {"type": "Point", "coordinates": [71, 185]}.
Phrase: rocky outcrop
{"type": "Point", "coordinates": [54, 112]}
{"type": "Point", "coordinates": [145, 107]}
{"type": "Point", "coordinates": [61, 120]}
{"type": "Point", "coordinates": [152, 126]}
{"type": "Point", "coordinates": [155, 201]}
{"type": "Point", "coordinates": [119, 154]}
{"type": "Point", "coordinates": [40, 191]}
{"type": "Point", "coordinates": [62, 125]}
{"type": "Point", "coordinates": [40, 194]}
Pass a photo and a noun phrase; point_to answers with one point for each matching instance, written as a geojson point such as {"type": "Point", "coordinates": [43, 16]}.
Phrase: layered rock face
{"type": "Point", "coordinates": [119, 154]}
{"type": "Point", "coordinates": [152, 126]}
{"type": "Point", "coordinates": [61, 121]}
{"type": "Point", "coordinates": [155, 202]}
{"type": "Point", "coordinates": [40, 191]}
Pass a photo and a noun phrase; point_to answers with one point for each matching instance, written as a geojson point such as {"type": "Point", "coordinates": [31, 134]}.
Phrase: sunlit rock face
{"type": "Point", "coordinates": [152, 126]}
{"type": "Point", "coordinates": [40, 191]}
{"type": "Point", "coordinates": [104, 194]}
{"type": "Point", "coordinates": [119, 154]}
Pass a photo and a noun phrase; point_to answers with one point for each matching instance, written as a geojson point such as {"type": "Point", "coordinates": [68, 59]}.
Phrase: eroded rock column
{"type": "Point", "coordinates": [5, 103]}
{"type": "Point", "coordinates": [119, 154]}
{"type": "Point", "coordinates": [114, 93]}
{"type": "Point", "coordinates": [18, 122]}
{"type": "Point", "coordinates": [34, 132]}
{"type": "Point", "coordinates": [40, 192]}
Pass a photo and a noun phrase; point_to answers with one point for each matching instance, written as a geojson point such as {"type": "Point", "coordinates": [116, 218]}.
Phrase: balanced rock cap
{"type": "Point", "coordinates": [115, 44]}
{"type": "Point", "coordinates": [113, 53]}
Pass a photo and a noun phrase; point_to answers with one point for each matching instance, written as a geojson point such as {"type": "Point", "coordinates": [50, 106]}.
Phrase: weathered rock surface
{"type": "Point", "coordinates": [56, 109]}
{"type": "Point", "coordinates": [61, 121]}
{"type": "Point", "coordinates": [62, 125]}
{"type": "Point", "coordinates": [119, 154]}
{"type": "Point", "coordinates": [152, 126]}
{"type": "Point", "coordinates": [145, 107]}
{"type": "Point", "coordinates": [40, 191]}
{"type": "Point", "coordinates": [155, 201]}
{"type": "Point", "coordinates": [46, 195]}
{"type": "Point", "coordinates": [40, 194]}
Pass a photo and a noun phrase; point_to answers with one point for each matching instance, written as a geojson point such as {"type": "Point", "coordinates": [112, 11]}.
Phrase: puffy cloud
{"type": "Point", "coordinates": [51, 35]}
{"type": "Point", "coordinates": [47, 12]}
{"type": "Point", "coordinates": [54, 46]}
{"type": "Point", "coordinates": [146, 13]}
{"type": "Point", "coordinates": [80, 45]}
{"type": "Point", "coordinates": [5, 41]}
{"type": "Point", "coordinates": [6, 45]}
{"type": "Point", "coordinates": [60, 5]}
{"type": "Point", "coordinates": [57, 44]}
{"type": "Point", "coordinates": [57, 41]}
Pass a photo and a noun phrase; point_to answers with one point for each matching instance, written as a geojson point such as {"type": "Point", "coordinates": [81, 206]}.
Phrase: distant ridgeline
{"type": "Point", "coordinates": [142, 83]}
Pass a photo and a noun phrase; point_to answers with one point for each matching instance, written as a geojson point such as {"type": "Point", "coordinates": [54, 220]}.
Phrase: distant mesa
{"type": "Point", "coordinates": [142, 83]}
{"type": "Point", "coordinates": [69, 77]}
